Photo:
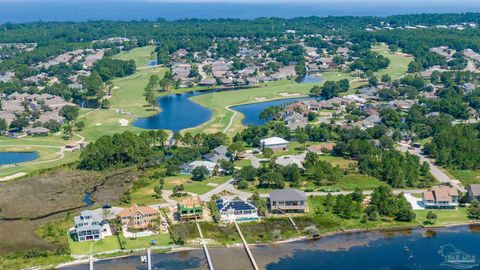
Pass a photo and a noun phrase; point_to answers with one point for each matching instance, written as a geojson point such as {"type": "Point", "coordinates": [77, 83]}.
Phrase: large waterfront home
{"type": "Point", "coordinates": [440, 197]}
{"type": "Point", "coordinates": [236, 210]}
{"type": "Point", "coordinates": [138, 217]}
{"type": "Point", "coordinates": [89, 225]}
{"type": "Point", "coordinates": [287, 201]}
{"type": "Point", "coordinates": [190, 208]}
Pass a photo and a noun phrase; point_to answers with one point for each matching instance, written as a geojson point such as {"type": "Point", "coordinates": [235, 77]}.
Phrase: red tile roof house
{"type": "Point", "coordinates": [441, 197]}
{"type": "Point", "coordinates": [138, 217]}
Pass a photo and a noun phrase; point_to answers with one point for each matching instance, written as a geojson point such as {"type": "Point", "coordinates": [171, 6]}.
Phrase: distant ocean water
{"type": "Point", "coordinates": [84, 10]}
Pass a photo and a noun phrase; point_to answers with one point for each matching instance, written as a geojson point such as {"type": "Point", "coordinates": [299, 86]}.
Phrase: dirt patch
{"type": "Point", "coordinates": [178, 181]}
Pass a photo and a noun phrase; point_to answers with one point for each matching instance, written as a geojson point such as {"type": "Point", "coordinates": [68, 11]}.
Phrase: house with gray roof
{"type": "Point", "coordinates": [287, 201]}
{"type": "Point", "coordinates": [217, 154]}
{"type": "Point", "coordinates": [474, 192]}
{"type": "Point", "coordinates": [89, 225]}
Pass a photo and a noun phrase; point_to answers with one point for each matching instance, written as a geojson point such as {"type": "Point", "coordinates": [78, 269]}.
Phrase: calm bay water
{"type": "Point", "coordinates": [17, 157]}
{"type": "Point", "coordinates": [82, 10]}
{"type": "Point", "coordinates": [396, 250]}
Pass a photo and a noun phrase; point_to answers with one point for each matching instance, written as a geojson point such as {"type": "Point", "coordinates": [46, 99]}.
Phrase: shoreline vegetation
{"type": "Point", "coordinates": [172, 249]}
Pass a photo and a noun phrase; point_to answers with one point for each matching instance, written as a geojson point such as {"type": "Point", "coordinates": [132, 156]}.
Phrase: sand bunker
{"type": "Point", "coordinates": [123, 122]}
{"type": "Point", "coordinates": [289, 95]}
{"type": "Point", "coordinates": [260, 98]}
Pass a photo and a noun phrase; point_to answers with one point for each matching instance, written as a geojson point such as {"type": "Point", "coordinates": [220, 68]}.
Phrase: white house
{"type": "Point", "coordinates": [274, 143]}
{"type": "Point", "coordinates": [89, 225]}
{"type": "Point", "coordinates": [188, 168]}
{"type": "Point", "coordinates": [236, 210]}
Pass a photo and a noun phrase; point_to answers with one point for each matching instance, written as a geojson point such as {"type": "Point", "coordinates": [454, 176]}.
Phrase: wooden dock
{"type": "Point", "coordinates": [247, 248]}
{"type": "Point", "coordinates": [205, 248]}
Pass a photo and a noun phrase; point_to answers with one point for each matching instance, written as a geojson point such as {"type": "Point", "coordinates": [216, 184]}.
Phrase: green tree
{"type": "Point", "coordinates": [267, 152]}
{"type": "Point", "coordinates": [200, 173]}
{"type": "Point", "coordinates": [80, 125]}
{"type": "Point", "coordinates": [431, 217]}
{"type": "Point", "coordinates": [158, 191]}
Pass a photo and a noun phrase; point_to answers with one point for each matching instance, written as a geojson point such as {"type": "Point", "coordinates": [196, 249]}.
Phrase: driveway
{"type": "Point", "coordinates": [434, 169]}
{"type": "Point", "coordinates": [416, 203]}
{"type": "Point", "coordinates": [255, 160]}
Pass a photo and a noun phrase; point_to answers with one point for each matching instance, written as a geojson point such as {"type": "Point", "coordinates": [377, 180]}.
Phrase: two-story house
{"type": "Point", "coordinates": [89, 225]}
{"type": "Point", "coordinates": [138, 217]}
{"type": "Point", "coordinates": [236, 210]}
{"type": "Point", "coordinates": [287, 201]}
{"type": "Point", "coordinates": [441, 197]}
{"type": "Point", "coordinates": [190, 208]}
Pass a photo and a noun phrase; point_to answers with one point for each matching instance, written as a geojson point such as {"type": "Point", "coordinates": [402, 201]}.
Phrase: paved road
{"type": "Point", "coordinates": [227, 186]}
{"type": "Point", "coordinates": [434, 169]}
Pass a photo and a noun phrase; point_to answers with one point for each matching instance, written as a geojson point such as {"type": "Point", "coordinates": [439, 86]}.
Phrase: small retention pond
{"type": "Point", "coordinates": [16, 157]}
{"type": "Point", "coordinates": [252, 111]}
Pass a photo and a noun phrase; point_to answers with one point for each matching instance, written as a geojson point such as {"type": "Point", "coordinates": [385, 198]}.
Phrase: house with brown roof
{"type": "Point", "coordinates": [442, 197]}
{"type": "Point", "coordinates": [321, 148]}
{"type": "Point", "coordinates": [138, 217]}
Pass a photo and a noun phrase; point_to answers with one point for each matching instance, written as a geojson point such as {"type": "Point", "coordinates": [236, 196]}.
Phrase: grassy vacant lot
{"type": "Point", "coordinates": [198, 187]}
{"type": "Point", "coordinates": [145, 195]}
{"type": "Point", "coordinates": [328, 222]}
{"type": "Point", "coordinates": [445, 217]}
{"type": "Point", "coordinates": [353, 181]}
{"type": "Point", "coordinates": [467, 177]}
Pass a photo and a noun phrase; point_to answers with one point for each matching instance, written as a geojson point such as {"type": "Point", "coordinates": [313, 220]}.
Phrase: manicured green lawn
{"type": "Point", "coordinates": [445, 217]}
{"type": "Point", "coordinates": [105, 122]}
{"type": "Point", "coordinates": [128, 92]}
{"type": "Point", "coordinates": [111, 243]}
{"type": "Point", "coordinates": [163, 239]}
{"type": "Point", "coordinates": [88, 247]}
{"type": "Point", "coordinates": [142, 56]}
{"type": "Point", "coordinates": [467, 177]}
{"type": "Point", "coordinates": [398, 62]}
